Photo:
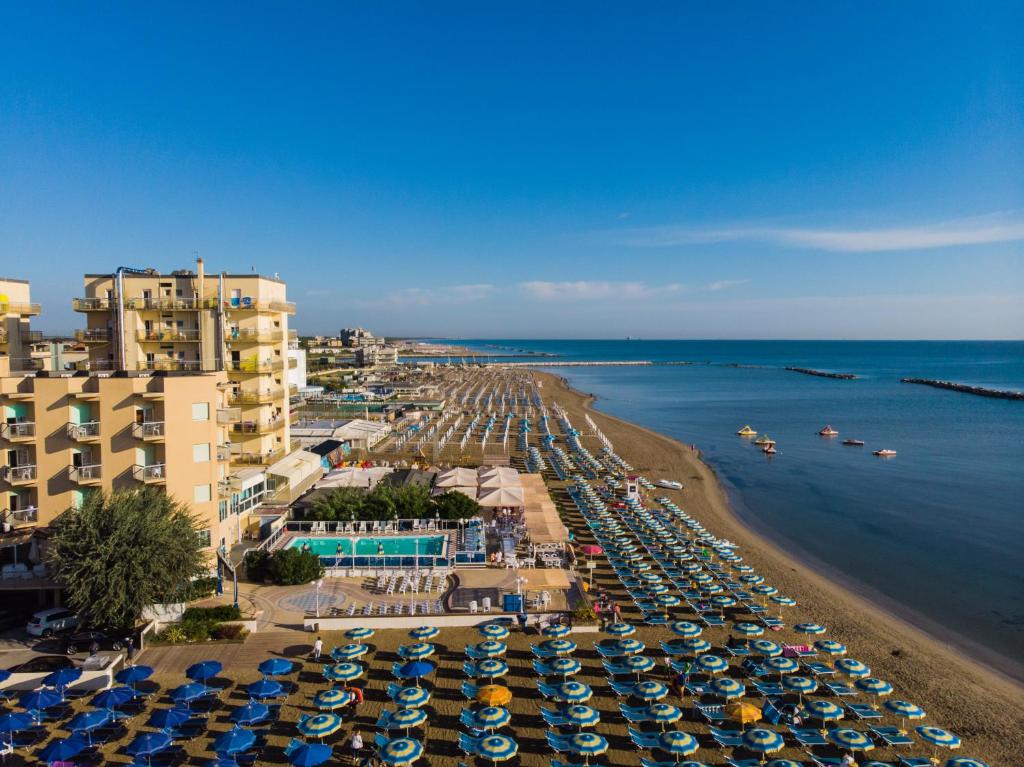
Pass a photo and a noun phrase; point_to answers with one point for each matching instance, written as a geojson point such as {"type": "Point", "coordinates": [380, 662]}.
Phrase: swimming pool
{"type": "Point", "coordinates": [373, 546]}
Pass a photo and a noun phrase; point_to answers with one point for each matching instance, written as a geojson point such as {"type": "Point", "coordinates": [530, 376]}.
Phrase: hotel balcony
{"type": "Point", "coordinates": [84, 432]}
{"type": "Point", "coordinates": [25, 310]}
{"type": "Point", "coordinates": [168, 336]}
{"type": "Point", "coordinates": [258, 427]}
{"type": "Point", "coordinates": [3, 335]}
{"type": "Point", "coordinates": [226, 415]}
{"type": "Point", "coordinates": [249, 305]}
{"type": "Point", "coordinates": [261, 397]}
{"type": "Point", "coordinates": [20, 517]}
{"type": "Point", "coordinates": [259, 459]}
{"type": "Point", "coordinates": [88, 366]}
{"type": "Point", "coordinates": [23, 431]}
{"type": "Point", "coordinates": [26, 474]}
{"type": "Point", "coordinates": [86, 475]}
{"type": "Point", "coordinates": [256, 366]}
{"type": "Point", "coordinates": [254, 336]}
{"type": "Point", "coordinates": [148, 431]}
{"type": "Point", "coordinates": [94, 336]}
{"type": "Point", "coordinates": [32, 336]}
{"type": "Point", "coordinates": [91, 304]}
{"type": "Point", "coordinates": [171, 304]}
{"type": "Point", "coordinates": [153, 474]}
{"type": "Point", "coordinates": [171, 365]}
{"type": "Point", "coordinates": [223, 453]}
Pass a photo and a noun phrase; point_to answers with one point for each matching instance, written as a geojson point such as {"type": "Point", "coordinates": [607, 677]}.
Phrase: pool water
{"type": "Point", "coordinates": [402, 545]}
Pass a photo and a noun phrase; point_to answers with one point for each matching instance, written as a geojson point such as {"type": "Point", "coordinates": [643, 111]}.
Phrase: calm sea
{"type": "Point", "coordinates": [937, 530]}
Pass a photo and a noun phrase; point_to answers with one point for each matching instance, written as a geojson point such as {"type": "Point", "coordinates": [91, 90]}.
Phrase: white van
{"type": "Point", "coordinates": [49, 622]}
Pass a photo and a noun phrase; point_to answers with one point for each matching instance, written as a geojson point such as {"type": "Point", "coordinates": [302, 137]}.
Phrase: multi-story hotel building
{"type": "Point", "coordinates": [16, 310]}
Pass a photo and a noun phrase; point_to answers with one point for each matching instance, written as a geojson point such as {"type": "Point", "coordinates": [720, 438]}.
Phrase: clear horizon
{"type": "Point", "coordinates": [676, 173]}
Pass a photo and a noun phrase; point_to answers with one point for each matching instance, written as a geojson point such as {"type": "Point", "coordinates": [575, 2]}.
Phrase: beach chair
{"type": "Point", "coordinates": [771, 623]}
{"type": "Point", "coordinates": [624, 689]}
{"type": "Point", "coordinates": [633, 714]}
{"type": "Point", "coordinates": [769, 689]}
{"type": "Point", "coordinates": [819, 669]}
{"type": "Point", "coordinates": [863, 711]}
{"type": "Point", "coordinates": [652, 763]}
{"type": "Point", "coordinates": [892, 736]}
{"type": "Point", "coordinates": [553, 718]}
{"type": "Point", "coordinates": [826, 761]}
{"type": "Point", "coordinates": [807, 736]}
{"type": "Point", "coordinates": [726, 738]}
{"type": "Point", "coordinates": [840, 688]}
{"type": "Point", "coordinates": [644, 740]}
{"type": "Point", "coordinates": [712, 621]}
{"type": "Point", "coordinates": [468, 689]}
{"type": "Point", "coordinates": [696, 688]}
{"type": "Point", "coordinates": [608, 652]}
{"type": "Point", "coordinates": [743, 762]}
{"type": "Point", "coordinates": [469, 669]}
{"type": "Point", "coordinates": [914, 761]}
{"type": "Point", "coordinates": [712, 713]}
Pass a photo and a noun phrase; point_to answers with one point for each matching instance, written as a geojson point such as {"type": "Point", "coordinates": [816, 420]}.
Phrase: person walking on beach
{"type": "Point", "coordinates": [318, 648]}
{"type": "Point", "coordinates": [130, 648]}
{"type": "Point", "coordinates": [355, 746]}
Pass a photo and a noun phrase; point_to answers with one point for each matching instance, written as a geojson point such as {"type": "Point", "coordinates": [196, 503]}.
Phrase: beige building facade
{"type": "Point", "coordinates": [16, 311]}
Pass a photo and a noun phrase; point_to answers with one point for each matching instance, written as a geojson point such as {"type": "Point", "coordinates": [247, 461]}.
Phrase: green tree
{"type": "Point", "coordinates": [121, 552]}
{"type": "Point", "coordinates": [341, 504]}
{"type": "Point", "coordinates": [290, 567]}
{"type": "Point", "coordinates": [456, 505]}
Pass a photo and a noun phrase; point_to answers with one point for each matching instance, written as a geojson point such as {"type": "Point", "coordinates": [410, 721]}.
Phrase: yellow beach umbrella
{"type": "Point", "coordinates": [744, 713]}
{"type": "Point", "coordinates": [494, 695]}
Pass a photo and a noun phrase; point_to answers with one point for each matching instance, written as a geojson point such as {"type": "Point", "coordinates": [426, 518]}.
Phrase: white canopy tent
{"type": "Point", "coordinates": [457, 477]}
{"type": "Point", "coordinates": [502, 496]}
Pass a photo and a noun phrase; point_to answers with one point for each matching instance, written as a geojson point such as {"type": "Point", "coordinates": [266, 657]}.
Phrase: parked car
{"type": "Point", "coordinates": [81, 641]}
{"type": "Point", "coordinates": [46, 623]}
{"type": "Point", "coordinates": [42, 664]}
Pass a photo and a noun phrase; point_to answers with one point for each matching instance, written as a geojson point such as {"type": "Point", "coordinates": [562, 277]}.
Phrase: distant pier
{"type": "Point", "coordinates": [979, 391]}
{"type": "Point", "coordinates": [822, 373]}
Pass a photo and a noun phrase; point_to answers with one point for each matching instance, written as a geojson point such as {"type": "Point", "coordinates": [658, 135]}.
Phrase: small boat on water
{"type": "Point", "coordinates": [670, 484]}
{"type": "Point", "coordinates": [828, 431]}
{"type": "Point", "coordinates": [885, 453]}
{"type": "Point", "coordinates": [746, 431]}
{"type": "Point", "coordinates": [853, 442]}
{"type": "Point", "coordinates": [763, 440]}
{"type": "Point", "coordinates": [769, 449]}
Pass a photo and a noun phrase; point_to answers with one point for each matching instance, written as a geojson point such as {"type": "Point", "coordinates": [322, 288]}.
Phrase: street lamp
{"type": "Point", "coordinates": [316, 586]}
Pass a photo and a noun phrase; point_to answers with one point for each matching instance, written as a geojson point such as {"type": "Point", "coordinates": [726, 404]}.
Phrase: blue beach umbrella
{"type": "Point", "coordinates": [965, 761]}
{"type": "Point", "coordinates": [417, 651]}
{"type": "Point", "coordinates": [686, 629]}
{"type": "Point", "coordinates": [265, 688]}
{"type": "Point", "coordinates": [904, 709]}
{"type": "Point", "coordinates": [620, 629]}
{"type": "Point", "coordinates": [406, 718]}
{"type": "Point", "coordinates": [186, 693]}
{"type": "Point", "coordinates": [638, 664]}
{"type": "Point", "coordinates": [88, 721]}
{"type": "Point", "coordinates": [581, 716]}
{"type": "Point", "coordinates": [937, 736]}
{"type": "Point", "coordinates": [630, 646]}
{"type": "Point", "coordinates": [251, 713]}
{"type": "Point", "coordinates": [695, 645]}
{"type": "Point", "coordinates": [667, 600]}
{"type": "Point", "coordinates": [114, 697]}
{"type": "Point", "coordinates": [235, 741]}
{"type": "Point", "coordinates": [359, 633]}
{"type": "Point", "coordinates": [401, 751]}
{"type": "Point", "coordinates": [276, 667]}
{"type": "Point", "coordinates": [823, 710]}
{"type": "Point", "coordinates": [424, 632]}
{"type": "Point", "coordinates": [710, 664]}
{"type": "Point", "coordinates": [573, 692]}
{"type": "Point", "coordinates": [764, 590]}
{"type": "Point", "coordinates": [169, 718]}
{"type": "Point", "coordinates": [763, 740]}
{"type": "Point", "coordinates": [416, 669]}
{"type": "Point", "coordinates": [4, 675]}
{"type": "Point", "coordinates": [63, 749]}
{"type": "Point", "coordinates": [722, 601]}
{"type": "Point", "coordinates": [785, 763]}
{"type": "Point", "coordinates": [349, 652]}
{"type": "Point", "coordinates": [491, 668]}
{"type": "Point", "coordinates": [148, 743]}
{"type": "Point", "coordinates": [799, 684]}
{"type": "Point", "coordinates": [328, 700]}
{"type": "Point", "coordinates": [559, 646]}
{"type": "Point", "coordinates": [343, 672]}
{"type": "Point", "coordinates": [40, 700]}
{"type": "Point", "coordinates": [782, 601]}
{"type": "Point", "coordinates": [11, 723]}
{"type": "Point", "coordinates": [205, 669]}
{"type": "Point", "coordinates": [873, 686]}
{"type": "Point", "coordinates": [310, 755]}
{"type": "Point", "coordinates": [809, 628]}
{"type": "Point", "coordinates": [62, 677]}
{"type": "Point", "coordinates": [563, 666]}
{"type": "Point", "coordinates": [751, 578]}
{"type": "Point", "coordinates": [490, 718]}
{"type": "Point", "coordinates": [678, 743]}
{"type": "Point", "coordinates": [494, 631]}
{"type": "Point", "coordinates": [748, 629]}
{"type": "Point", "coordinates": [496, 748]}
{"type": "Point", "coordinates": [766, 647]}
{"type": "Point", "coordinates": [320, 725]}
{"type": "Point", "coordinates": [663, 713]}
{"type": "Point", "coordinates": [556, 630]}
{"type": "Point", "coordinates": [830, 647]}
{"type": "Point", "coordinates": [587, 744]}
{"type": "Point", "coordinates": [412, 697]}
{"type": "Point", "coordinates": [649, 690]}
{"type": "Point", "coordinates": [490, 648]}
{"type": "Point", "coordinates": [850, 739]}
{"type": "Point", "coordinates": [852, 668]}
{"type": "Point", "coordinates": [727, 688]}
{"type": "Point", "coordinates": [134, 674]}
{"type": "Point", "coordinates": [780, 665]}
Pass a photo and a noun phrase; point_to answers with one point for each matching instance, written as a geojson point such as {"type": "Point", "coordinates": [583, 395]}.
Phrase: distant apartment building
{"type": "Point", "coordinates": [358, 337]}
{"type": "Point", "coordinates": [376, 356]}
{"type": "Point", "coordinates": [16, 311]}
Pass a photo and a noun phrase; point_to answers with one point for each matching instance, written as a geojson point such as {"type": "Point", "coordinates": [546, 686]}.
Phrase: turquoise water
{"type": "Point", "coordinates": [406, 545]}
{"type": "Point", "coordinates": [938, 529]}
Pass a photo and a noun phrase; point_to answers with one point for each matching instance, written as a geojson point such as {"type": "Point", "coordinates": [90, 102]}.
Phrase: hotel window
{"type": "Point", "coordinates": [201, 452]}
{"type": "Point", "coordinates": [201, 493]}
{"type": "Point", "coordinates": [204, 538]}
{"type": "Point", "coordinates": [200, 411]}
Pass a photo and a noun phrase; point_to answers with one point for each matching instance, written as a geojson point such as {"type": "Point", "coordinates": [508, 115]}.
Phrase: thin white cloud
{"type": "Point", "coordinates": [585, 290]}
{"type": "Point", "coordinates": [714, 287]}
{"type": "Point", "coordinates": [446, 295]}
{"type": "Point", "coordinates": [978, 230]}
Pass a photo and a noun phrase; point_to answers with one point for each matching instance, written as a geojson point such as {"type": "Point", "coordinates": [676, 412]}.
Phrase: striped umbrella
{"type": "Point", "coordinates": [638, 664]}
{"type": "Point", "coordinates": [494, 695]}
{"type": "Point", "coordinates": [809, 628]}
{"type": "Point", "coordinates": [490, 648]}
{"type": "Point", "coordinates": [649, 691]}
{"type": "Point", "coordinates": [823, 710]}
{"type": "Point", "coordinates": [850, 739]}
{"type": "Point", "coordinates": [904, 710]}
{"type": "Point", "coordinates": [650, 578]}
{"type": "Point", "coordinates": [412, 697]}
{"type": "Point", "coordinates": [667, 600]}
{"type": "Point", "coordinates": [782, 601]}
{"type": "Point", "coordinates": [722, 601]}
{"type": "Point", "coordinates": [748, 629]}
{"type": "Point", "coordinates": [873, 686]}
{"type": "Point", "coordinates": [559, 646]}
{"type": "Point", "coordinates": [494, 631]}
{"type": "Point", "coordinates": [573, 692]}
{"type": "Point", "coordinates": [766, 648]}
{"type": "Point", "coordinates": [401, 751]}
{"type": "Point", "coordinates": [663, 713]}
{"type": "Point", "coordinates": [491, 718]}
{"type": "Point", "coordinates": [686, 629]}
{"type": "Point", "coordinates": [784, 763]}
{"type": "Point", "coordinates": [799, 684]}
{"type": "Point", "coordinates": [320, 726]}
{"type": "Point", "coordinates": [343, 672]}
{"type": "Point", "coordinates": [677, 743]}
{"type": "Point", "coordinates": [581, 716]}
{"type": "Point", "coordinates": [852, 668]}
{"type": "Point", "coordinates": [695, 645]}
{"type": "Point", "coordinates": [830, 647]}
{"type": "Point", "coordinates": [417, 651]}
{"type": "Point", "coordinates": [556, 630]}
{"type": "Point", "coordinates": [964, 761]}
{"type": "Point", "coordinates": [328, 700]}
{"type": "Point", "coordinates": [406, 718]}
{"type": "Point", "coordinates": [491, 668]}
{"type": "Point", "coordinates": [727, 688]}
{"type": "Point", "coordinates": [424, 633]}
{"type": "Point", "coordinates": [359, 633]}
{"type": "Point", "coordinates": [763, 740]}
{"type": "Point", "coordinates": [496, 748]}
{"type": "Point", "coordinates": [711, 588]}
{"type": "Point", "coordinates": [711, 664]}
{"type": "Point", "coordinates": [780, 665]}
{"type": "Point", "coordinates": [751, 578]}
{"type": "Point", "coordinates": [630, 646]}
{"type": "Point", "coordinates": [764, 590]}
{"type": "Point", "coordinates": [655, 589]}
{"type": "Point", "coordinates": [938, 737]}
{"type": "Point", "coordinates": [587, 744]}
{"type": "Point", "coordinates": [620, 629]}
{"type": "Point", "coordinates": [349, 652]}
{"type": "Point", "coordinates": [563, 666]}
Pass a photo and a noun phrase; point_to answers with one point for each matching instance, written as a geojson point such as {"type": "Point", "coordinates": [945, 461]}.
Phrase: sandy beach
{"type": "Point", "coordinates": [982, 706]}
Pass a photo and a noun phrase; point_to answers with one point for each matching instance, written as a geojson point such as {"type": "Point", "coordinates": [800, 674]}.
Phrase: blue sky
{"type": "Point", "coordinates": [840, 170]}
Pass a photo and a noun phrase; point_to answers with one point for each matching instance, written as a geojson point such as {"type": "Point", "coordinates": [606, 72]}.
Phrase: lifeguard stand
{"type": "Point", "coordinates": [632, 488]}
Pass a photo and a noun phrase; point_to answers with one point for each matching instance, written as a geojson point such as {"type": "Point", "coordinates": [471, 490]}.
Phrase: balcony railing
{"type": "Point", "coordinates": [3, 335]}
{"type": "Point", "coordinates": [171, 303]}
{"type": "Point", "coordinates": [148, 430]}
{"type": "Point", "coordinates": [168, 336]}
{"type": "Point", "coordinates": [32, 336]}
{"type": "Point", "coordinates": [92, 365]}
{"type": "Point", "coordinates": [94, 335]}
{"type": "Point", "coordinates": [261, 397]}
{"type": "Point", "coordinates": [171, 365]}
{"type": "Point", "coordinates": [18, 517]}
{"type": "Point", "coordinates": [91, 304]}
{"type": "Point", "coordinates": [154, 472]}
{"type": "Point", "coordinates": [258, 459]}
{"type": "Point", "coordinates": [84, 432]}
{"type": "Point", "coordinates": [8, 307]}
{"type": "Point", "coordinates": [256, 366]}
{"type": "Point", "coordinates": [17, 475]}
{"type": "Point", "coordinates": [257, 427]}
{"type": "Point", "coordinates": [86, 475]}
{"type": "Point", "coordinates": [246, 304]}
{"type": "Point", "coordinates": [223, 452]}
{"type": "Point", "coordinates": [254, 335]}
{"type": "Point", "coordinates": [18, 431]}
